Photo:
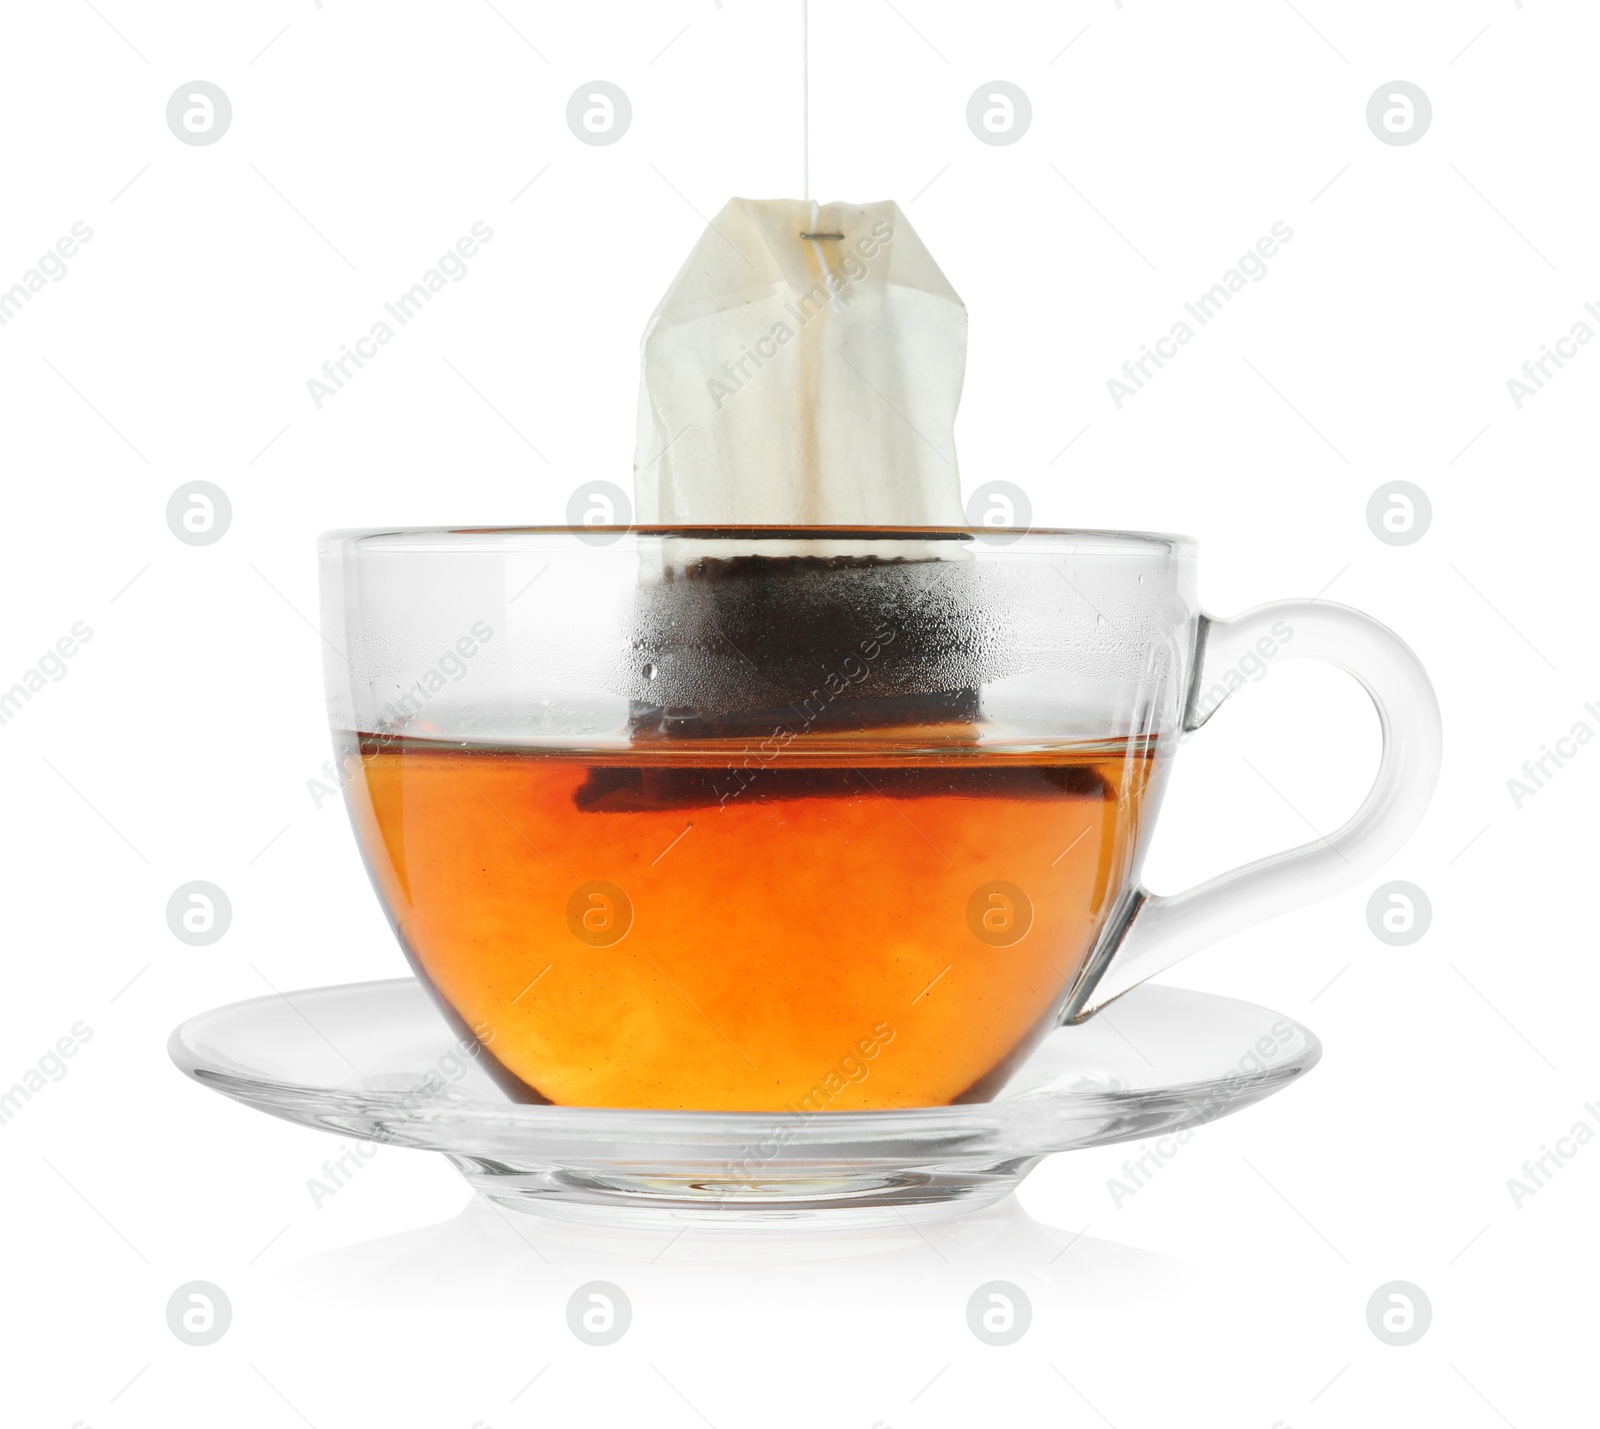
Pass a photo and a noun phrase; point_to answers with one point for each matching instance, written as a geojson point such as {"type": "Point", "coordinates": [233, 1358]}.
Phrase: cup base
{"type": "Point", "coordinates": [845, 1197]}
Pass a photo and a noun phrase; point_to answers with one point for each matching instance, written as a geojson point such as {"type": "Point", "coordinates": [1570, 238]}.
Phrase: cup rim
{"type": "Point", "coordinates": [991, 536]}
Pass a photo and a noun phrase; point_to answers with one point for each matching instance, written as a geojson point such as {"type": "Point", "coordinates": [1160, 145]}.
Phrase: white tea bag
{"type": "Point", "coordinates": [794, 380]}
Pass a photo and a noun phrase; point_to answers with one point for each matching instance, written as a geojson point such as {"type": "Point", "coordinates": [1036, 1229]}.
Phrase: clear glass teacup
{"type": "Point", "coordinates": [803, 819]}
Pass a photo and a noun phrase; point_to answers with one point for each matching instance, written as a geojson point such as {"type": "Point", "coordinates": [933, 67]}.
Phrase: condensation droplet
{"type": "Point", "coordinates": [650, 671]}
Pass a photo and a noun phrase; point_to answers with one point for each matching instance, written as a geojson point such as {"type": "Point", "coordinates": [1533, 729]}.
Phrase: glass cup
{"type": "Point", "coordinates": [803, 819]}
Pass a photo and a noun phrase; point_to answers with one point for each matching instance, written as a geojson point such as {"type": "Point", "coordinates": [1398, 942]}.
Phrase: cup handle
{"type": "Point", "coordinates": [1155, 930]}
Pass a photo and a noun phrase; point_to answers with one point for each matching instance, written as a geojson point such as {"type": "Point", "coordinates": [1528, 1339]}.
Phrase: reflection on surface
{"type": "Point", "coordinates": [485, 1247]}
{"type": "Point", "coordinates": [888, 1326]}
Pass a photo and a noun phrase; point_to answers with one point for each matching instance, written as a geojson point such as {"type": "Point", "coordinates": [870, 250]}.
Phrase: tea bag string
{"type": "Point", "coordinates": [805, 106]}
{"type": "Point", "coordinates": [805, 130]}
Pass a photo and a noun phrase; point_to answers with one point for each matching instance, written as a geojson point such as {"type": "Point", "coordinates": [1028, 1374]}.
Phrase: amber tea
{"type": "Point", "coordinates": [829, 926]}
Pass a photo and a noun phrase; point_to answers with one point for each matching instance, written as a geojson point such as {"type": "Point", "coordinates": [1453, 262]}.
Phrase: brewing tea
{"type": "Point", "coordinates": [834, 925]}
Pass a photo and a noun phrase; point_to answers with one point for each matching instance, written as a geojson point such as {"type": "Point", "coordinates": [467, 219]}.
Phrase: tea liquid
{"type": "Point", "coordinates": [824, 928]}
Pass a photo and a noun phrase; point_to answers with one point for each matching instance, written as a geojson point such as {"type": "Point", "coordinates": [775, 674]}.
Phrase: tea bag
{"type": "Point", "coordinates": [804, 368]}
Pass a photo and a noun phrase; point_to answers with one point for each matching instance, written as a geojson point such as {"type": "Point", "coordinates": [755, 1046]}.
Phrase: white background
{"type": "Point", "coordinates": [1166, 140]}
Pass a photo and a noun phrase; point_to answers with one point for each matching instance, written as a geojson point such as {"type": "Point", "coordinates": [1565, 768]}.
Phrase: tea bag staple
{"type": "Point", "coordinates": [802, 380]}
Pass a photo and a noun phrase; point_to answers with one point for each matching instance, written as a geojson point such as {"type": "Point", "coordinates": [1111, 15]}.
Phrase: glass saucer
{"type": "Point", "coordinates": [375, 1060]}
